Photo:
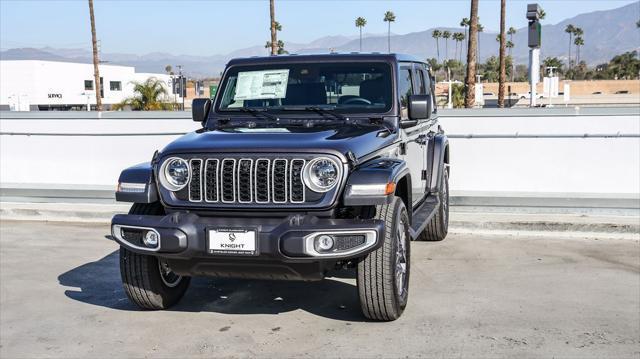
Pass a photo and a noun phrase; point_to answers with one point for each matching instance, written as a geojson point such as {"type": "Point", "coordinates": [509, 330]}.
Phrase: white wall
{"type": "Point", "coordinates": [540, 165]}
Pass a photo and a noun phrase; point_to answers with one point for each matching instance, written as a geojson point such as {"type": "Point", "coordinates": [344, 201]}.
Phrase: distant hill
{"type": "Point", "coordinates": [606, 34]}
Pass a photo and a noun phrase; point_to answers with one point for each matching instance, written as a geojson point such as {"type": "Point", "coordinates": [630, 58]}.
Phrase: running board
{"type": "Point", "coordinates": [422, 215]}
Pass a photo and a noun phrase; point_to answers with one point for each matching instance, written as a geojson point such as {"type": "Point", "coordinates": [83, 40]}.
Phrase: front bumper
{"type": "Point", "coordinates": [282, 252]}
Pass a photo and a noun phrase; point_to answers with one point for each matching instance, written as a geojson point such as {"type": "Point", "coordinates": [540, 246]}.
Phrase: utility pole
{"type": "Point", "coordinates": [96, 61]}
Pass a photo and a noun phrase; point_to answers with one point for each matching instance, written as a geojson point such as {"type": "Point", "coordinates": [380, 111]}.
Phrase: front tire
{"type": "Point", "coordinates": [148, 281]}
{"type": "Point", "coordinates": [383, 275]}
{"type": "Point", "coordinates": [438, 226]}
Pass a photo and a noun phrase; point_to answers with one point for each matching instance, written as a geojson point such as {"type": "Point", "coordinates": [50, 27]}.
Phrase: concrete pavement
{"type": "Point", "coordinates": [471, 296]}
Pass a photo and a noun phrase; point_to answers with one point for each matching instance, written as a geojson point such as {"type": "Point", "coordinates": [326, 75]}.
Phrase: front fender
{"type": "Point", "coordinates": [136, 184]}
{"type": "Point", "coordinates": [367, 182]}
{"type": "Point", "coordinates": [438, 156]}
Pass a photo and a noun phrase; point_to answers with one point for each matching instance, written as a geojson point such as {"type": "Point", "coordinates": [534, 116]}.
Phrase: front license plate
{"type": "Point", "coordinates": [232, 242]}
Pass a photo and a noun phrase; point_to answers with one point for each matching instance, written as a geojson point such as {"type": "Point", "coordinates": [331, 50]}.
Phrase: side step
{"type": "Point", "coordinates": [422, 215]}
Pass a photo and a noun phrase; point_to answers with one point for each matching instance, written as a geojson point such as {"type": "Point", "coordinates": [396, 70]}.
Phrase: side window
{"type": "Point", "coordinates": [405, 87]}
{"type": "Point", "coordinates": [421, 83]}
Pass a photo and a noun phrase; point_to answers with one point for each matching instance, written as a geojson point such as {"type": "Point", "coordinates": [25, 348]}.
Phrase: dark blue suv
{"type": "Point", "coordinates": [304, 164]}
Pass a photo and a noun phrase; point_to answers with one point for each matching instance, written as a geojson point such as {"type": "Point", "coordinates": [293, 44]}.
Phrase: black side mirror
{"type": "Point", "coordinates": [200, 109]}
{"type": "Point", "coordinates": [419, 107]}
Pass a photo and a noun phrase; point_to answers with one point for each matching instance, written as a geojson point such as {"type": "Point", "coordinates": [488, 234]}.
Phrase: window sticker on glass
{"type": "Point", "coordinates": [256, 85]}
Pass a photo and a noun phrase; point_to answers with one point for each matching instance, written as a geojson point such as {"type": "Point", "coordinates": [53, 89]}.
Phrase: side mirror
{"type": "Point", "coordinates": [200, 109]}
{"type": "Point", "coordinates": [419, 107]}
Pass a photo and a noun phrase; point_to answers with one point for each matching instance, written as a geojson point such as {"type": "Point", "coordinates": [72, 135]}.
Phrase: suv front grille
{"type": "Point", "coordinates": [247, 180]}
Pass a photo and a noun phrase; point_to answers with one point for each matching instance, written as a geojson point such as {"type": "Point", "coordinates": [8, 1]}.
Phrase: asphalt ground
{"type": "Point", "coordinates": [484, 294]}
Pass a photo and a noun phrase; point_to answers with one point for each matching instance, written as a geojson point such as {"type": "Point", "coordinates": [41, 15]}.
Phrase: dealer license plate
{"type": "Point", "coordinates": [232, 242]}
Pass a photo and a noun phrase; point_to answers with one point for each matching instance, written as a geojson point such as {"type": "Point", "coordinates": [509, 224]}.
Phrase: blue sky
{"type": "Point", "coordinates": [208, 27]}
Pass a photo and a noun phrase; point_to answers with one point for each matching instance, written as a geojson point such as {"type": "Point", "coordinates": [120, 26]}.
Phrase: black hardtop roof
{"type": "Point", "coordinates": [292, 58]}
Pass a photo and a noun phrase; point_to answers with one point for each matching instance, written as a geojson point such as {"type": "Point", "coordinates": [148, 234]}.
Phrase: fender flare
{"type": "Point", "coordinates": [438, 158]}
{"type": "Point", "coordinates": [139, 174]}
{"type": "Point", "coordinates": [379, 171]}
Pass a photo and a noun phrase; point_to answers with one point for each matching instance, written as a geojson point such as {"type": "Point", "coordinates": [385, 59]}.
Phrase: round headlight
{"type": "Point", "coordinates": [321, 174]}
{"type": "Point", "coordinates": [174, 174]}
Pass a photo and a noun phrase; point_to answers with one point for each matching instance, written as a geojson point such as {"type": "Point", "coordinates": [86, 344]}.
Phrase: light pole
{"type": "Point", "coordinates": [535, 39]}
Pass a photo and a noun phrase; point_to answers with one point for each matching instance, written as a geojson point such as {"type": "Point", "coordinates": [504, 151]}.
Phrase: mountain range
{"type": "Point", "coordinates": [606, 34]}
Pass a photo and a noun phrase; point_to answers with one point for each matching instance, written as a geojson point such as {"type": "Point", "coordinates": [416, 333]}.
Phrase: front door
{"type": "Point", "coordinates": [415, 149]}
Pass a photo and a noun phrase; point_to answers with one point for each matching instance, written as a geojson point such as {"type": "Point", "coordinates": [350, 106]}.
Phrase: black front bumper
{"type": "Point", "coordinates": [280, 244]}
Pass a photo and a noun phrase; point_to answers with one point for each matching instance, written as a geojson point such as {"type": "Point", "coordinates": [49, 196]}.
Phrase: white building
{"type": "Point", "coordinates": [50, 85]}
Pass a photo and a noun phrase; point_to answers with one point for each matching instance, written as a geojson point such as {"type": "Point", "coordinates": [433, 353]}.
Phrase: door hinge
{"type": "Point", "coordinates": [424, 175]}
{"type": "Point", "coordinates": [403, 148]}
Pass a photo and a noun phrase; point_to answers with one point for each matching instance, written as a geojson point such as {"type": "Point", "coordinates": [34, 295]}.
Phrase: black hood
{"type": "Point", "coordinates": [360, 140]}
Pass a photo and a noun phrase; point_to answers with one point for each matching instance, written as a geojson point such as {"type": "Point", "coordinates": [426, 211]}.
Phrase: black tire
{"type": "Point", "coordinates": [438, 226]}
{"type": "Point", "coordinates": [383, 294]}
{"type": "Point", "coordinates": [141, 274]}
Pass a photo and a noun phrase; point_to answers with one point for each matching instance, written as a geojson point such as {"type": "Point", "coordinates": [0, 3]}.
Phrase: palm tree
{"type": "Point", "coordinates": [570, 29]}
{"type": "Point", "coordinates": [464, 23]}
{"type": "Point", "coordinates": [274, 28]}
{"type": "Point", "coordinates": [503, 61]}
{"type": "Point", "coordinates": [436, 34]}
{"type": "Point", "coordinates": [446, 35]}
{"type": "Point", "coordinates": [148, 96]}
{"type": "Point", "coordinates": [96, 61]}
{"type": "Point", "coordinates": [578, 41]}
{"type": "Point", "coordinates": [542, 14]}
{"type": "Point", "coordinates": [577, 32]}
{"type": "Point", "coordinates": [360, 23]}
{"type": "Point", "coordinates": [480, 29]}
{"type": "Point", "coordinates": [470, 79]}
{"type": "Point", "coordinates": [389, 17]}
{"type": "Point", "coordinates": [459, 37]}
{"type": "Point", "coordinates": [512, 31]}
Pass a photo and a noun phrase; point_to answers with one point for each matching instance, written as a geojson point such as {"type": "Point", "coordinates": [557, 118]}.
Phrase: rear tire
{"type": "Point", "coordinates": [383, 275]}
{"type": "Point", "coordinates": [438, 226]}
{"type": "Point", "coordinates": [148, 281]}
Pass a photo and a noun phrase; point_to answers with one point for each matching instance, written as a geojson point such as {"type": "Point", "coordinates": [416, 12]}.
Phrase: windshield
{"type": "Point", "coordinates": [344, 87]}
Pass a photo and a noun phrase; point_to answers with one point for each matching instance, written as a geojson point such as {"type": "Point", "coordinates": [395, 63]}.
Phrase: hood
{"type": "Point", "coordinates": [360, 140]}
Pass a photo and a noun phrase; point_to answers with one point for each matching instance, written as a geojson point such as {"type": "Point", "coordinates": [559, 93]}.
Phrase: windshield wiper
{"type": "Point", "coordinates": [256, 112]}
{"type": "Point", "coordinates": [321, 110]}
{"type": "Point", "coordinates": [328, 110]}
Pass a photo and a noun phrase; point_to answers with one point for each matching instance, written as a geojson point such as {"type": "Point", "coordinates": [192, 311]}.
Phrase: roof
{"type": "Point", "coordinates": [355, 56]}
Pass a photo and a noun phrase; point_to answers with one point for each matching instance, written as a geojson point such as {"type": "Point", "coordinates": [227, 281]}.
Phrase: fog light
{"type": "Point", "coordinates": [150, 239]}
{"type": "Point", "coordinates": [324, 243]}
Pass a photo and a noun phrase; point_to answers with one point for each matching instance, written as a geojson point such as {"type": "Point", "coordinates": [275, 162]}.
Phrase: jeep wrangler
{"type": "Point", "coordinates": [305, 164]}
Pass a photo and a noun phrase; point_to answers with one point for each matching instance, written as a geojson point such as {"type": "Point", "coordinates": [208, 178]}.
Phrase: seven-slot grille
{"type": "Point", "coordinates": [246, 180]}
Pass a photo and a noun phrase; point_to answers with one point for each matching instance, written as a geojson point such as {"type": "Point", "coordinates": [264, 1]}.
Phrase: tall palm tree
{"type": "Point", "coordinates": [459, 37]}
{"type": "Point", "coordinates": [389, 17]}
{"type": "Point", "coordinates": [470, 78]}
{"type": "Point", "coordinates": [480, 29]}
{"type": "Point", "coordinates": [274, 27]}
{"type": "Point", "coordinates": [570, 29]}
{"type": "Point", "coordinates": [577, 32]}
{"type": "Point", "coordinates": [578, 41]}
{"type": "Point", "coordinates": [512, 31]}
{"type": "Point", "coordinates": [464, 23]}
{"type": "Point", "coordinates": [437, 34]}
{"type": "Point", "coordinates": [148, 96]}
{"type": "Point", "coordinates": [360, 23]}
{"type": "Point", "coordinates": [503, 53]}
{"type": "Point", "coordinates": [96, 61]}
{"type": "Point", "coordinates": [446, 35]}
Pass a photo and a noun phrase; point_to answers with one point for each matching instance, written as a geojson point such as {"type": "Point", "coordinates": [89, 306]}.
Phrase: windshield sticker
{"type": "Point", "coordinates": [256, 85]}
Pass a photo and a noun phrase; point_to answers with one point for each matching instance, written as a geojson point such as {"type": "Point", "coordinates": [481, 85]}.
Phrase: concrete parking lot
{"type": "Point", "coordinates": [471, 296]}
